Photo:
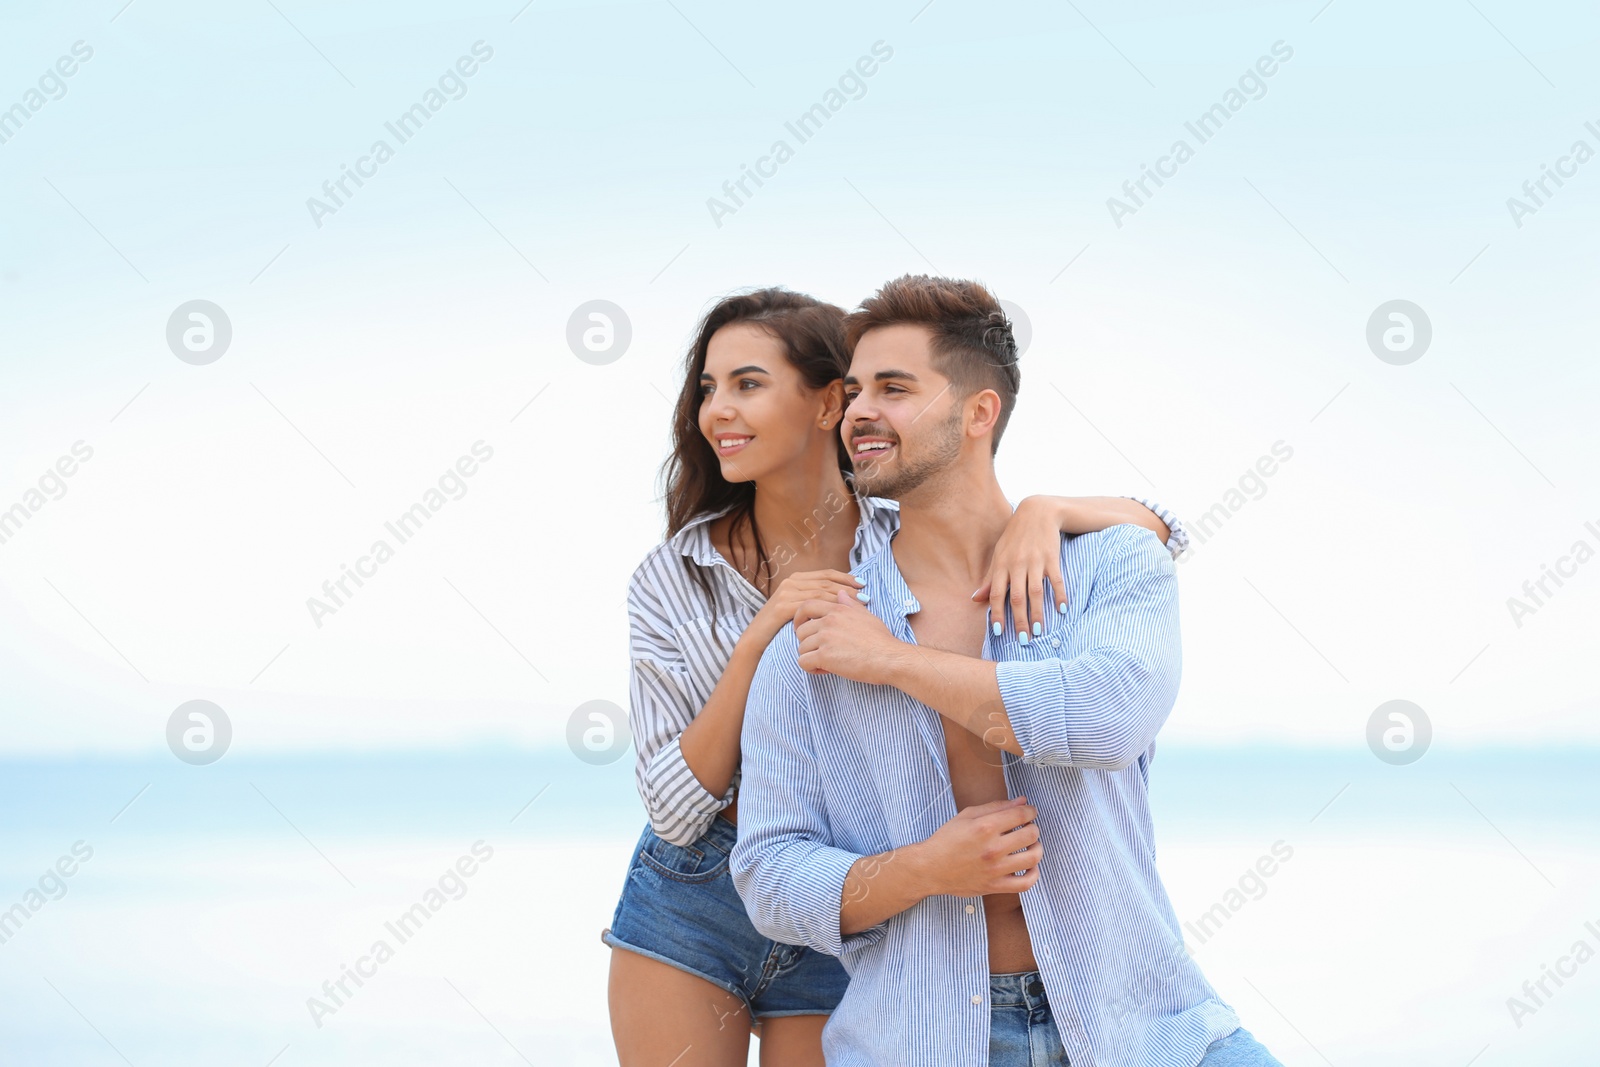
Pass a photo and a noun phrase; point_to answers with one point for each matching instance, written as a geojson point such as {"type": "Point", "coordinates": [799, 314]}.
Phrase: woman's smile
{"type": "Point", "coordinates": [729, 443]}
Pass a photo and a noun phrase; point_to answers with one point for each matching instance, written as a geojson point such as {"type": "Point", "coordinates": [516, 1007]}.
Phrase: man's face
{"type": "Point", "coordinates": [902, 423]}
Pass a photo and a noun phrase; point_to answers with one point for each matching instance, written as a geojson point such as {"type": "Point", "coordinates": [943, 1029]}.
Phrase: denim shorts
{"type": "Point", "coordinates": [1022, 1030]}
{"type": "Point", "coordinates": [679, 906]}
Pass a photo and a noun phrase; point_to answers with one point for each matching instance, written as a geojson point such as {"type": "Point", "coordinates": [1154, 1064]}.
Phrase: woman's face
{"type": "Point", "coordinates": [754, 408]}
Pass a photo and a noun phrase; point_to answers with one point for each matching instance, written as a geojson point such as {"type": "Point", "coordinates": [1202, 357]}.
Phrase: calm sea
{"type": "Point", "coordinates": [216, 902]}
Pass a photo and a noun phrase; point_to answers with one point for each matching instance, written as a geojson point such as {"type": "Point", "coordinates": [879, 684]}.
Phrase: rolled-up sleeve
{"type": "Point", "coordinates": [789, 875]}
{"type": "Point", "coordinates": [662, 701]}
{"type": "Point", "coordinates": [1103, 706]}
{"type": "Point", "coordinates": [1177, 532]}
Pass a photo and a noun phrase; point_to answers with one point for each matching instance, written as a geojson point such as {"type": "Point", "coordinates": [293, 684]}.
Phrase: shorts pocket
{"type": "Point", "coordinates": [683, 863]}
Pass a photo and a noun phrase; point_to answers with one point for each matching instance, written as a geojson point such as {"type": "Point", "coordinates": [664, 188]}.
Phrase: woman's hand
{"type": "Point", "coordinates": [1028, 552]}
{"type": "Point", "coordinates": [785, 601]}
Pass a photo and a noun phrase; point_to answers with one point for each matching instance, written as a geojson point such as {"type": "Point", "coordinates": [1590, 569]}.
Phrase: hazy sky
{"type": "Point", "coordinates": [1178, 334]}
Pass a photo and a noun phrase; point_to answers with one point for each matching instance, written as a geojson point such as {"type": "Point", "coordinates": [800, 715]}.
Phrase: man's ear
{"type": "Point", "coordinates": [985, 408]}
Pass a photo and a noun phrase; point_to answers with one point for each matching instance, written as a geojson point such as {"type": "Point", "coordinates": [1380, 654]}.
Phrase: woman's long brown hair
{"type": "Point", "coordinates": [812, 335]}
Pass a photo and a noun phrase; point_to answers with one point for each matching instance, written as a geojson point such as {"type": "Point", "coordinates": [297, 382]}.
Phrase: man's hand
{"type": "Point", "coordinates": [843, 638]}
{"type": "Point", "coordinates": [976, 853]}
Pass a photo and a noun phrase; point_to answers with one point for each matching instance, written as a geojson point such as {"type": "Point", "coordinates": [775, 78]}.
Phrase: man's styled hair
{"type": "Point", "coordinates": [972, 341]}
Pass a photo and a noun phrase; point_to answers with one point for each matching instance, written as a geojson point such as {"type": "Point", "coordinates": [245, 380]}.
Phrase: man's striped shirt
{"type": "Point", "coordinates": [837, 769]}
{"type": "Point", "coordinates": [677, 658]}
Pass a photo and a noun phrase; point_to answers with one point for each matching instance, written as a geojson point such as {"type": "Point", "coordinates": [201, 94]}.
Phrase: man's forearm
{"type": "Point", "coordinates": [960, 688]}
{"type": "Point", "coordinates": [882, 886]}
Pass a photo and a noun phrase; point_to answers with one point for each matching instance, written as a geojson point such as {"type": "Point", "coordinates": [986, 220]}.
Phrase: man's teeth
{"type": "Point", "coordinates": [873, 446]}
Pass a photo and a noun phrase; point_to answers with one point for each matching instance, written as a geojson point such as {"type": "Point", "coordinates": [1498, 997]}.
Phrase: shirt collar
{"type": "Point", "coordinates": [885, 583]}
{"type": "Point", "coordinates": [694, 540]}
{"type": "Point", "coordinates": [886, 586]}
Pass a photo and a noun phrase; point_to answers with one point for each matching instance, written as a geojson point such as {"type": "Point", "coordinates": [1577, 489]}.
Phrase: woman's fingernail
{"type": "Point", "coordinates": [1062, 607]}
{"type": "Point", "coordinates": [859, 580]}
{"type": "Point", "coordinates": [862, 596]}
{"type": "Point", "coordinates": [1038, 628]}
{"type": "Point", "coordinates": [997, 629]}
{"type": "Point", "coordinates": [1022, 638]}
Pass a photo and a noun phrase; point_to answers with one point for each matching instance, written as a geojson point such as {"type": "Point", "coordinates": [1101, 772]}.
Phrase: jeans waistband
{"type": "Point", "coordinates": [721, 834]}
{"type": "Point", "coordinates": [1022, 989]}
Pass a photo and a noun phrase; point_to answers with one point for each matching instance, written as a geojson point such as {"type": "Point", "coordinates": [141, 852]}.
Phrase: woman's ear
{"type": "Point", "coordinates": [832, 404]}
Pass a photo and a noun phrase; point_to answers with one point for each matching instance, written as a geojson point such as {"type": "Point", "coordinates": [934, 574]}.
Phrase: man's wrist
{"type": "Point", "coordinates": [921, 877]}
{"type": "Point", "coordinates": [890, 666]}
{"type": "Point", "coordinates": [894, 664]}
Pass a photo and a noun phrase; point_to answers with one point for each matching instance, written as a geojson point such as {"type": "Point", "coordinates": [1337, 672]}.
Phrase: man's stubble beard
{"type": "Point", "coordinates": [942, 451]}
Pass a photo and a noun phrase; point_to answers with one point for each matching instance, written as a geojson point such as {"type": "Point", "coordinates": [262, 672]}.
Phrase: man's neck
{"type": "Point", "coordinates": [948, 530]}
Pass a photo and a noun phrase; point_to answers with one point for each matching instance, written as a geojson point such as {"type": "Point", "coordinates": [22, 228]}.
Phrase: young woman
{"type": "Point", "coordinates": [761, 516]}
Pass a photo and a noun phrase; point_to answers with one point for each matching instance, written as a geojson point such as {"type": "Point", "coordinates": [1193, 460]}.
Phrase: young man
{"type": "Point", "coordinates": [959, 812]}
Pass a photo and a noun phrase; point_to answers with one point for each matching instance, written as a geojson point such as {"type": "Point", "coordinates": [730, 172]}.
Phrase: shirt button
{"type": "Point", "coordinates": [977, 999]}
{"type": "Point", "coordinates": [1055, 642]}
{"type": "Point", "coordinates": [971, 909]}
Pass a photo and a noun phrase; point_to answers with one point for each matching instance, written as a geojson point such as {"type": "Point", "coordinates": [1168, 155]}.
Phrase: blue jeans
{"type": "Point", "coordinates": [679, 906]}
{"type": "Point", "coordinates": [1022, 1030]}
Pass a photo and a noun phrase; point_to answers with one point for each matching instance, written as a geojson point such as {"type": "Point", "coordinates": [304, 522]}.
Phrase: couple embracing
{"type": "Point", "coordinates": [894, 732]}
